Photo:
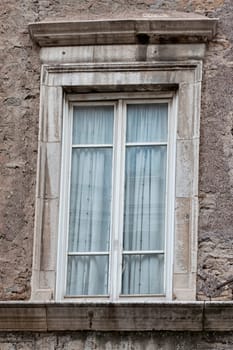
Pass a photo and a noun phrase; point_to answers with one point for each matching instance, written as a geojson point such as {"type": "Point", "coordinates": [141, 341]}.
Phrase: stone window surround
{"type": "Point", "coordinates": [120, 55]}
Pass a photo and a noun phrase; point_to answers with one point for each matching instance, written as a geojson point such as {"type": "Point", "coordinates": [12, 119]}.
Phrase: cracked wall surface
{"type": "Point", "coordinates": [19, 110]}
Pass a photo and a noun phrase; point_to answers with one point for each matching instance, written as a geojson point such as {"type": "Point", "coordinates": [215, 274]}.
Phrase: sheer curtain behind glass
{"type": "Point", "coordinates": [90, 201]}
{"type": "Point", "coordinates": [144, 208]}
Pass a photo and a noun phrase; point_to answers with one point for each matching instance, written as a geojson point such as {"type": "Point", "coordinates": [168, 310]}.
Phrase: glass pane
{"type": "Point", "coordinates": [93, 124]}
{"type": "Point", "coordinates": [147, 122]}
{"type": "Point", "coordinates": [90, 199]}
{"type": "Point", "coordinates": [145, 189]}
{"type": "Point", "coordinates": [87, 275]}
{"type": "Point", "coordinates": [143, 274]}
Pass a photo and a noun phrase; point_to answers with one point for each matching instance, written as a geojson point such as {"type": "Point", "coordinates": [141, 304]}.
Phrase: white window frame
{"type": "Point", "coordinates": [117, 207]}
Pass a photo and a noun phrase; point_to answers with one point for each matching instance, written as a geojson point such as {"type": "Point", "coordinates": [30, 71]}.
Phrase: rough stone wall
{"type": "Point", "coordinates": [215, 258]}
{"type": "Point", "coordinates": [19, 94]}
{"type": "Point", "coordinates": [113, 341]}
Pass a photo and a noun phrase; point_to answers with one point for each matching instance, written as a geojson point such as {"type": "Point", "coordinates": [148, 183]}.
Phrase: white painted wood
{"type": "Point", "coordinates": [142, 252]}
{"type": "Point", "coordinates": [120, 120]}
{"type": "Point", "coordinates": [116, 251]}
{"type": "Point", "coordinates": [64, 201]}
{"type": "Point", "coordinates": [104, 145]}
{"type": "Point", "coordinates": [170, 196]}
{"type": "Point", "coordinates": [131, 144]}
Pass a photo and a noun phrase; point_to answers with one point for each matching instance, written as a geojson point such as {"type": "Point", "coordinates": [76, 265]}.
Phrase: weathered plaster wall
{"type": "Point", "coordinates": [113, 341]}
{"type": "Point", "coordinates": [19, 94]}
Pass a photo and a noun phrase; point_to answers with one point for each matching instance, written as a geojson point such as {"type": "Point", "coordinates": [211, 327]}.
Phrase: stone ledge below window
{"type": "Point", "coordinates": [169, 316]}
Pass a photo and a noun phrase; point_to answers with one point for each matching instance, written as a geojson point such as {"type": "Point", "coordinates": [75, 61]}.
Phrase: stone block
{"type": "Point", "coordinates": [121, 53]}
{"type": "Point", "coordinates": [50, 113]}
{"type": "Point", "coordinates": [49, 235]}
{"type": "Point", "coordinates": [7, 346]}
{"type": "Point", "coordinates": [74, 345]}
{"type": "Point", "coordinates": [20, 318]}
{"type": "Point", "coordinates": [183, 235]}
{"type": "Point", "coordinates": [49, 170]}
{"type": "Point", "coordinates": [218, 316]}
{"type": "Point", "coordinates": [46, 342]}
{"type": "Point", "coordinates": [180, 52]}
{"type": "Point", "coordinates": [128, 317]}
{"type": "Point", "coordinates": [47, 280]}
{"type": "Point", "coordinates": [184, 168]}
{"type": "Point", "coordinates": [185, 286]}
{"type": "Point", "coordinates": [186, 109]}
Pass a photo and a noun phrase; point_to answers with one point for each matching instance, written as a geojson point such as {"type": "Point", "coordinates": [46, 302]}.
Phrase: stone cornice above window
{"type": "Point", "coordinates": [151, 29]}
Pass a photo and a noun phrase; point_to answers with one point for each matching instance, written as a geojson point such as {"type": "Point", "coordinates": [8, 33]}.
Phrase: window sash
{"type": "Point", "coordinates": [116, 252]}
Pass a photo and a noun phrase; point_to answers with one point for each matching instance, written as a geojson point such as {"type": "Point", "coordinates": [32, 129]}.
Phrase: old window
{"type": "Point", "coordinates": [117, 164]}
{"type": "Point", "coordinates": [117, 185]}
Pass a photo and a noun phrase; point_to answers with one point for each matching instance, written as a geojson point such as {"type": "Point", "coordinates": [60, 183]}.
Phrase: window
{"type": "Point", "coordinates": [115, 220]}
{"type": "Point", "coordinates": [106, 68]}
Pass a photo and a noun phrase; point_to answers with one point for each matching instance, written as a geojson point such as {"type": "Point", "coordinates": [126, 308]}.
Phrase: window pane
{"type": "Point", "coordinates": [144, 208]}
{"type": "Point", "coordinates": [90, 199]}
{"type": "Point", "coordinates": [147, 122]}
{"type": "Point", "coordinates": [93, 124]}
{"type": "Point", "coordinates": [143, 274]}
{"type": "Point", "coordinates": [87, 275]}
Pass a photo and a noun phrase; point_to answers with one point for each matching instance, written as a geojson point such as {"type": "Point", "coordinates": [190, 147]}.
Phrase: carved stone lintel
{"type": "Point", "coordinates": [149, 29]}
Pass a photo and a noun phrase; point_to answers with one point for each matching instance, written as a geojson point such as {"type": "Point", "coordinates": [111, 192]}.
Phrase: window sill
{"type": "Point", "coordinates": [167, 316]}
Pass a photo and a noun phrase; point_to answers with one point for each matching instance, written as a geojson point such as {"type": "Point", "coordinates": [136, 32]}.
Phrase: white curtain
{"type": "Point", "coordinates": [93, 125]}
{"type": "Point", "coordinates": [90, 199]}
{"type": "Point", "coordinates": [144, 208]}
{"type": "Point", "coordinates": [147, 122]}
